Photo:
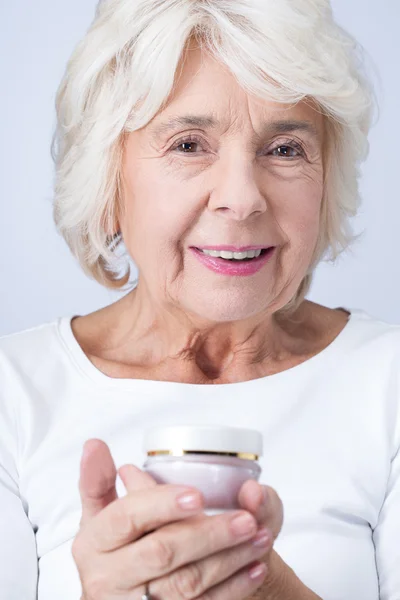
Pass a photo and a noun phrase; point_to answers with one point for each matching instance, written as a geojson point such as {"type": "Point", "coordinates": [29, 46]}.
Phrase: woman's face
{"type": "Point", "coordinates": [244, 181]}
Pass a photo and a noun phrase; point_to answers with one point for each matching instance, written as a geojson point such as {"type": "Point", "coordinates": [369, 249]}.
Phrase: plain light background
{"type": "Point", "coordinates": [41, 281]}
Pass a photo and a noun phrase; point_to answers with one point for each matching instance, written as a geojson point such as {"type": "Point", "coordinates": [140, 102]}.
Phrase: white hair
{"type": "Point", "coordinates": [123, 71]}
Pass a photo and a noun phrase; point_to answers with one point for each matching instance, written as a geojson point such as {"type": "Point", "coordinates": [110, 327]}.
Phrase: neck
{"type": "Point", "coordinates": [195, 349]}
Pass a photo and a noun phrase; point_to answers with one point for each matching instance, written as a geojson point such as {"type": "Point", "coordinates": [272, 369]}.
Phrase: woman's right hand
{"type": "Point", "coordinates": [158, 534]}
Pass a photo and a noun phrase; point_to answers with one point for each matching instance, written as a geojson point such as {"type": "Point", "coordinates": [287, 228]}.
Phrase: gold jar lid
{"type": "Point", "coordinates": [175, 452]}
{"type": "Point", "coordinates": [203, 439]}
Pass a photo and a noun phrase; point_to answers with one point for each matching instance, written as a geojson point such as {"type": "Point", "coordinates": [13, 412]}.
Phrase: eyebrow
{"type": "Point", "coordinates": [210, 122]}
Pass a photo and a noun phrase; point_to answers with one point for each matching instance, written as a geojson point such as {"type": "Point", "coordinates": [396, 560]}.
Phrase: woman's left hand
{"type": "Point", "coordinates": [265, 504]}
{"type": "Point", "coordinates": [281, 582]}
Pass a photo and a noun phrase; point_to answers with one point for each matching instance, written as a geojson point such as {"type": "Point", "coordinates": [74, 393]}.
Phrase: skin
{"type": "Point", "coordinates": [184, 322]}
{"type": "Point", "coordinates": [233, 185]}
{"type": "Point", "coordinates": [183, 554]}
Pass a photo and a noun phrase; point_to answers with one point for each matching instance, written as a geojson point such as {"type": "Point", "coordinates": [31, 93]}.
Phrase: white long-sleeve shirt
{"type": "Point", "coordinates": [331, 429]}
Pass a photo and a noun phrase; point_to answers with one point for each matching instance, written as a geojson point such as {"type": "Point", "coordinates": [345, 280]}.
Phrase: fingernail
{"type": "Point", "coordinates": [263, 538]}
{"type": "Point", "coordinates": [189, 501]}
{"type": "Point", "coordinates": [257, 571]}
{"type": "Point", "coordinates": [244, 524]}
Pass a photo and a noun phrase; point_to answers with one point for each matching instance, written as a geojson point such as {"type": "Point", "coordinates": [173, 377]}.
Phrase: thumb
{"type": "Point", "coordinates": [97, 479]}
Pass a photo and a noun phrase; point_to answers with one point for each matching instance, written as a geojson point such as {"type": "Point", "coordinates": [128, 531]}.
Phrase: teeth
{"type": "Point", "coordinates": [233, 255]}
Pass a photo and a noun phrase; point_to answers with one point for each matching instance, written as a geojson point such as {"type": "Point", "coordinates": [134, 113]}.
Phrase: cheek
{"type": "Point", "coordinates": [156, 224]}
{"type": "Point", "coordinates": [298, 215]}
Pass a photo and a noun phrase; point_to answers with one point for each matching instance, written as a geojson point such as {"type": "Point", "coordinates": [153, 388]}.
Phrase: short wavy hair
{"type": "Point", "coordinates": [124, 69]}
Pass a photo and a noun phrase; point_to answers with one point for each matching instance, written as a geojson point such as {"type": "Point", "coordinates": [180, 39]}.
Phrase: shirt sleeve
{"type": "Point", "coordinates": [18, 556]}
{"type": "Point", "coordinates": [386, 534]}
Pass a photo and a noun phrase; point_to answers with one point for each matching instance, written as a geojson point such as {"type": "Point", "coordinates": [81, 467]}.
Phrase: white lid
{"type": "Point", "coordinates": [210, 438]}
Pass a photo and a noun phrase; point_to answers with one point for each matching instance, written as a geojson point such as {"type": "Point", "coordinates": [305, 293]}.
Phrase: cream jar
{"type": "Point", "coordinates": [215, 460]}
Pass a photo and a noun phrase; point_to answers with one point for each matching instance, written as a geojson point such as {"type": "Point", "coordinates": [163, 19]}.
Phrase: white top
{"type": "Point", "coordinates": [331, 428]}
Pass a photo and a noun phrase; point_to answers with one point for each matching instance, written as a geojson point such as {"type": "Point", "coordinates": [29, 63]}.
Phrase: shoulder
{"type": "Point", "coordinates": [370, 365]}
{"type": "Point", "coordinates": [26, 359]}
{"type": "Point", "coordinates": [364, 356]}
{"type": "Point", "coordinates": [371, 333]}
{"type": "Point", "coordinates": [349, 333]}
{"type": "Point", "coordinates": [34, 367]}
{"type": "Point", "coordinates": [369, 347]}
{"type": "Point", "coordinates": [31, 350]}
{"type": "Point", "coordinates": [40, 334]}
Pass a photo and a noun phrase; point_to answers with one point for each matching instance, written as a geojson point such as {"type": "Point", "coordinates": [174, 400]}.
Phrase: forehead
{"type": "Point", "coordinates": [207, 96]}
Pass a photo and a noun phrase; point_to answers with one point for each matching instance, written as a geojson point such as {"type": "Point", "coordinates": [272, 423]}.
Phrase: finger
{"type": "Point", "coordinates": [193, 580]}
{"type": "Point", "coordinates": [181, 543]}
{"type": "Point", "coordinates": [241, 585]}
{"type": "Point", "coordinates": [141, 512]}
{"type": "Point", "coordinates": [97, 479]}
{"type": "Point", "coordinates": [252, 497]}
{"type": "Point", "coordinates": [135, 479]}
{"type": "Point", "coordinates": [264, 503]}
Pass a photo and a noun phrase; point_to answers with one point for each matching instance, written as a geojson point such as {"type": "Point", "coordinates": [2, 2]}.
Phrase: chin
{"type": "Point", "coordinates": [223, 307]}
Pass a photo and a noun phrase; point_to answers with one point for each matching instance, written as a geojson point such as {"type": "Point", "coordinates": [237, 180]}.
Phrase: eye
{"type": "Point", "coordinates": [189, 142]}
{"type": "Point", "coordinates": [289, 150]}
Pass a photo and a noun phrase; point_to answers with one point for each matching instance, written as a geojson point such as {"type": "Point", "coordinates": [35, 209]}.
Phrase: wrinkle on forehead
{"type": "Point", "coordinates": [208, 97]}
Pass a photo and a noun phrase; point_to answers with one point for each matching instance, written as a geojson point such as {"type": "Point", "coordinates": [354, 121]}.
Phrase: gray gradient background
{"type": "Point", "coordinates": [40, 280]}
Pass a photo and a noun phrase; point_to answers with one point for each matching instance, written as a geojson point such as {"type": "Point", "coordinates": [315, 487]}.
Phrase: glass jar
{"type": "Point", "coordinates": [215, 460]}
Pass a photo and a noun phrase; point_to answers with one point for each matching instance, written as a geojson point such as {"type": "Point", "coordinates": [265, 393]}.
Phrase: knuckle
{"type": "Point", "coordinates": [187, 583]}
{"type": "Point", "coordinates": [78, 548]}
{"type": "Point", "coordinates": [75, 548]}
{"type": "Point", "coordinates": [162, 553]}
{"type": "Point", "coordinates": [215, 532]}
{"type": "Point", "coordinates": [120, 524]}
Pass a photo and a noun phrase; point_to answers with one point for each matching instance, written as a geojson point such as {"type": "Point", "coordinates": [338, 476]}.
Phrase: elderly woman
{"type": "Point", "coordinates": [217, 144]}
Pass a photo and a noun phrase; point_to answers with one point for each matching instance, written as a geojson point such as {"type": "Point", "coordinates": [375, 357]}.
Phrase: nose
{"type": "Point", "coordinates": [238, 198]}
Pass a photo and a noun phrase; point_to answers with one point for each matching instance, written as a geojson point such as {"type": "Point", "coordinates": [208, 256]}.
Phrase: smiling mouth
{"type": "Point", "coordinates": [236, 256]}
